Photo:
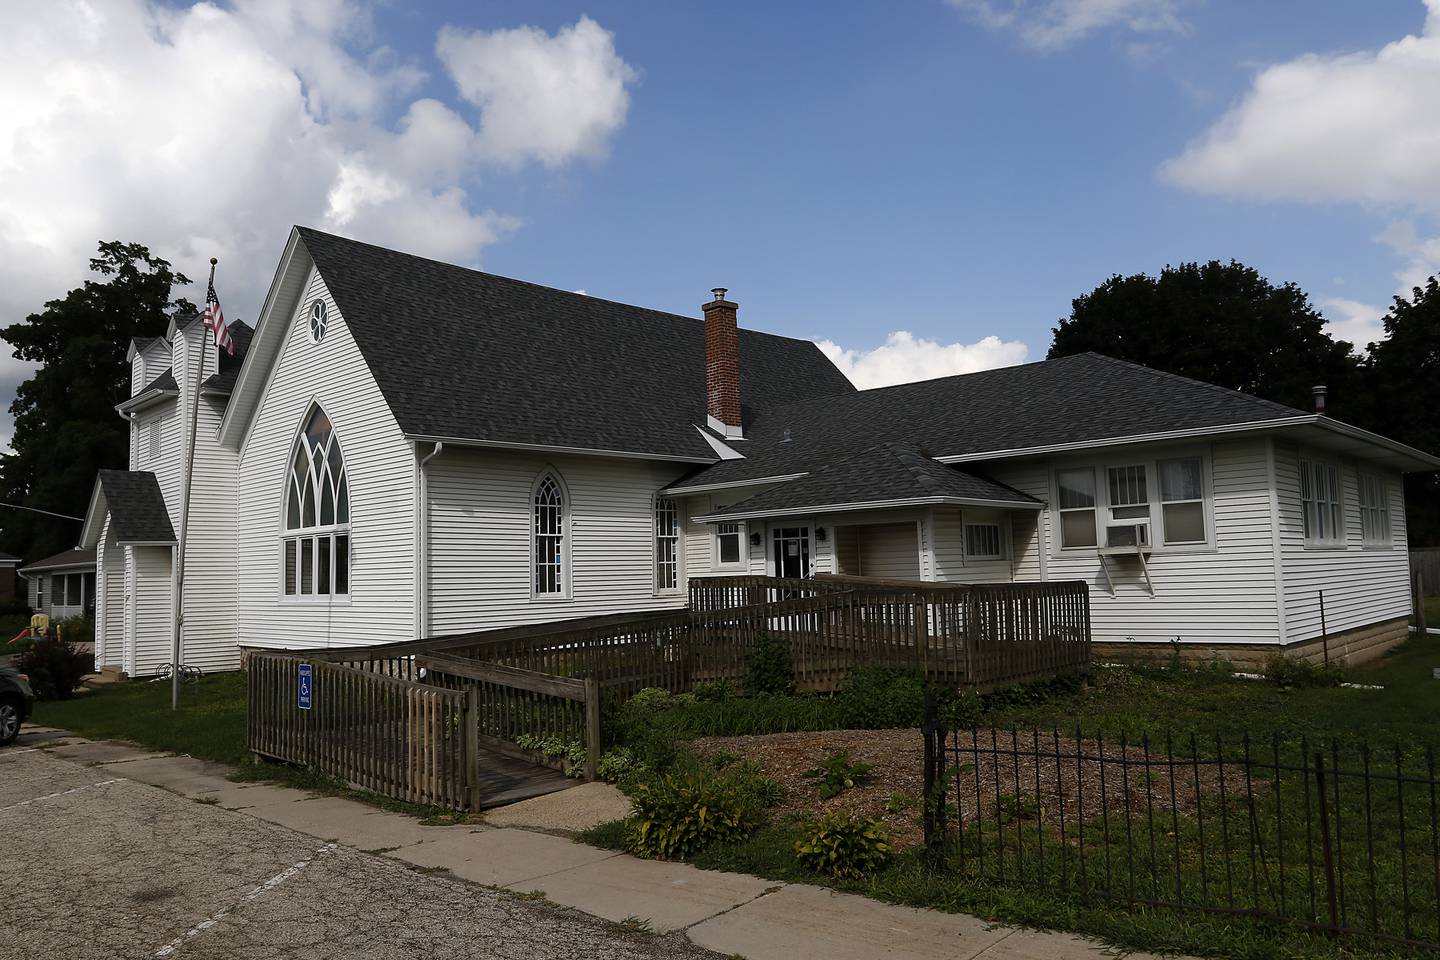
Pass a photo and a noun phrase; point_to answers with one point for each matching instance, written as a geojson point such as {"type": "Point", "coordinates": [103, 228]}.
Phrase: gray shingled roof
{"type": "Point", "coordinates": [223, 381]}
{"type": "Point", "coordinates": [77, 557]}
{"type": "Point", "coordinates": [881, 474]}
{"type": "Point", "coordinates": [1086, 397]}
{"type": "Point", "coordinates": [166, 381]}
{"type": "Point", "coordinates": [465, 355]}
{"type": "Point", "coordinates": [137, 507]}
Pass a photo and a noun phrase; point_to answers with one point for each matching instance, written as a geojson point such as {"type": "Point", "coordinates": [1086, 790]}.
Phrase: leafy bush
{"type": "Point", "coordinates": [76, 629]}
{"type": "Point", "coordinates": [713, 691]}
{"type": "Point", "coordinates": [619, 764]}
{"type": "Point", "coordinates": [878, 697]}
{"type": "Point", "coordinates": [769, 668]}
{"type": "Point", "coordinates": [837, 773]}
{"type": "Point", "coordinates": [1295, 673]}
{"type": "Point", "coordinates": [844, 847]}
{"type": "Point", "coordinates": [677, 815]}
{"type": "Point", "coordinates": [55, 668]}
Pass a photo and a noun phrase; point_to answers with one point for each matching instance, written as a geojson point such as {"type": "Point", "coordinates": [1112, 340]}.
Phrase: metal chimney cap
{"type": "Point", "coordinates": [719, 292]}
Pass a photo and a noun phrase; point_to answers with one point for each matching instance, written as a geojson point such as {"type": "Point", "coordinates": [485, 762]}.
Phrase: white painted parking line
{"type": "Point", "coordinates": [270, 884]}
{"type": "Point", "coordinates": [62, 793]}
{"type": "Point", "coordinates": [16, 753]}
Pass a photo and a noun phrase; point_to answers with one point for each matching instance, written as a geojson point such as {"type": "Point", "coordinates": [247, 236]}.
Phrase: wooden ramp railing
{"type": "Point", "coordinates": [411, 719]}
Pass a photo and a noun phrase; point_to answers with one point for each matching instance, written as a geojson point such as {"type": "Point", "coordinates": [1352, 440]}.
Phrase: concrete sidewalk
{"type": "Point", "coordinates": [732, 914]}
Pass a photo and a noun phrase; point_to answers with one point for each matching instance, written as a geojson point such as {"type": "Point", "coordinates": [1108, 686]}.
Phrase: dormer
{"type": "Point", "coordinates": [148, 357]}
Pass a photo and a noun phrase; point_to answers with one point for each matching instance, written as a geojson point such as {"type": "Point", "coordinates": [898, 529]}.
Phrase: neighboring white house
{"type": "Point", "coordinates": [62, 585]}
{"type": "Point", "coordinates": [408, 448]}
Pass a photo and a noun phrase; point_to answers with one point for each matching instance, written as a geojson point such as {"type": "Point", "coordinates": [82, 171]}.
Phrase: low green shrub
{"type": "Point", "coordinates": [677, 815]}
{"type": "Point", "coordinates": [75, 629]}
{"type": "Point", "coordinates": [1295, 673]}
{"type": "Point", "coordinates": [54, 667]}
{"type": "Point", "coordinates": [713, 691]}
{"type": "Point", "coordinates": [769, 668]}
{"type": "Point", "coordinates": [619, 765]}
{"type": "Point", "coordinates": [844, 847]}
{"type": "Point", "coordinates": [838, 773]}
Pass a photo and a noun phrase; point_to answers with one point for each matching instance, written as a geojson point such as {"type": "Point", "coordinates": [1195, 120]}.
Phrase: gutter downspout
{"type": "Point", "coordinates": [422, 541]}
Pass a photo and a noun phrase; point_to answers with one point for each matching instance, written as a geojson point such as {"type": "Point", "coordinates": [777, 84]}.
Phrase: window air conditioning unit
{"type": "Point", "coordinates": [1128, 535]}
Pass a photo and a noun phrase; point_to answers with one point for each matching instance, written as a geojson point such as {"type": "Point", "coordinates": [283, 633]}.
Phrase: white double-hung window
{"type": "Point", "coordinates": [1129, 504]}
{"type": "Point", "coordinates": [1320, 502]}
{"type": "Point", "coordinates": [1077, 507]}
{"type": "Point", "coordinates": [667, 545]}
{"type": "Point", "coordinates": [1182, 500]}
{"type": "Point", "coordinates": [1374, 509]}
{"type": "Point", "coordinates": [730, 544]}
{"type": "Point", "coordinates": [316, 542]}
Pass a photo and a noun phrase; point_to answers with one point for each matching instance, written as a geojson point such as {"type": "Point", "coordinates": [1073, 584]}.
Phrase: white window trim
{"type": "Point", "coordinates": [1383, 507]}
{"type": "Point", "coordinates": [1160, 503]}
{"type": "Point", "coordinates": [743, 561]}
{"type": "Point", "coordinates": [1150, 460]}
{"type": "Point", "coordinates": [567, 583]}
{"type": "Point", "coordinates": [680, 584]}
{"type": "Point", "coordinates": [1059, 512]}
{"type": "Point", "coordinates": [329, 531]}
{"type": "Point", "coordinates": [1338, 542]}
{"type": "Point", "coordinates": [968, 520]}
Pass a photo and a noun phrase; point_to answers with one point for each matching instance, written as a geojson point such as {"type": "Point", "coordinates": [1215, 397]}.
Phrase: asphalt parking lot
{"type": "Point", "coordinates": [96, 865]}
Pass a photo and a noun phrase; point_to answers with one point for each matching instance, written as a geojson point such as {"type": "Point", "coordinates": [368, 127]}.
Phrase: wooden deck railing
{"type": "Point", "coordinates": [407, 719]}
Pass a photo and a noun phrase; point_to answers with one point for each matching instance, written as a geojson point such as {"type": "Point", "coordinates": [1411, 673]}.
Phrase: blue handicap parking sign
{"type": "Point", "coordinates": [305, 693]}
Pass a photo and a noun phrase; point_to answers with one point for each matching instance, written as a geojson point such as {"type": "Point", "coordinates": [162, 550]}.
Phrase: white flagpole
{"type": "Point", "coordinates": [177, 645]}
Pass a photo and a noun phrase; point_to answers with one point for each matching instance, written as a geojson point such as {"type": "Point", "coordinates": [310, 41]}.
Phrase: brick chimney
{"type": "Point", "coordinates": [722, 365]}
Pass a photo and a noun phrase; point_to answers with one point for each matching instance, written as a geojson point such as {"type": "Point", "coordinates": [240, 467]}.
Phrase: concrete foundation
{"type": "Point", "coordinates": [1351, 647]}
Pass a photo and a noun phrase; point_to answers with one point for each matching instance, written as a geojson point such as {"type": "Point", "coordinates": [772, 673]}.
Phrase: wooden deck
{"type": "Point", "coordinates": [505, 780]}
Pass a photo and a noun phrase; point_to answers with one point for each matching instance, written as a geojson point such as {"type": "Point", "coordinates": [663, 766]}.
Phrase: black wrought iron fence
{"type": "Point", "coordinates": [1341, 838]}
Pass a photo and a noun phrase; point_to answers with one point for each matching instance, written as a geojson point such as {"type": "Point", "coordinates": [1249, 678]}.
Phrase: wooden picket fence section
{"type": "Point", "coordinates": [419, 720]}
{"type": "Point", "coordinates": [403, 739]}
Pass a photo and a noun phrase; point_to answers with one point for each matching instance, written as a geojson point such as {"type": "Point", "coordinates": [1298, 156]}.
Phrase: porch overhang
{"type": "Point", "coordinates": [810, 510]}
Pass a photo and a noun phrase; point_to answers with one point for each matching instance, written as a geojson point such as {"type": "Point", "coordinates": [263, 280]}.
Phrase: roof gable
{"type": "Point", "coordinates": [136, 507]}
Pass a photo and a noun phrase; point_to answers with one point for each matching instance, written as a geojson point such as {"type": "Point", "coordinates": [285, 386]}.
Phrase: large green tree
{"type": "Point", "coordinates": [66, 427]}
{"type": "Point", "coordinates": [1219, 322]}
{"type": "Point", "coordinates": [1404, 373]}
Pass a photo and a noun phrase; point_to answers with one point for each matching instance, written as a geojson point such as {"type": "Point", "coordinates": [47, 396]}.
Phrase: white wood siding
{"type": "Point", "coordinates": [1362, 584]}
{"type": "Point", "coordinates": [478, 518]}
{"type": "Point", "coordinates": [110, 600]}
{"type": "Point", "coordinates": [380, 469]}
{"type": "Point", "coordinates": [152, 610]}
{"type": "Point", "coordinates": [1224, 593]}
{"type": "Point", "coordinates": [950, 561]}
{"type": "Point", "coordinates": [890, 550]}
{"type": "Point", "coordinates": [211, 570]}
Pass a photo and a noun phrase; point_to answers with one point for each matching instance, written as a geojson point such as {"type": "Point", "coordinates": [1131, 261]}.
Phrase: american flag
{"type": "Point", "coordinates": [215, 320]}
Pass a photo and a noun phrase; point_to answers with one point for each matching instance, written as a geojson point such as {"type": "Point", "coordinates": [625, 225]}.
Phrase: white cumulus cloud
{"type": "Point", "coordinates": [1346, 319]}
{"type": "Point", "coordinates": [1050, 25]}
{"type": "Point", "coordinates": [205, 130]}
{"type": "Point", "coordinates": [544, 98]}
{"type": "Point", "coordinates": [1360, 127]}
{"type": "Point", "coordinates": [903, 357]}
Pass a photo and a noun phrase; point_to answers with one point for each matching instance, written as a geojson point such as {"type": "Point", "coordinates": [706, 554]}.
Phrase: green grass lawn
{"type": "Point", "coordinates": [1155, 701]}
{"type": "Point", "coordinates": [210, 723]}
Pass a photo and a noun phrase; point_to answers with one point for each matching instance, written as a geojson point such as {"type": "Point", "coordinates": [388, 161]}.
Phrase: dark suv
{"type": "Point", "coordinates": [16, 702]}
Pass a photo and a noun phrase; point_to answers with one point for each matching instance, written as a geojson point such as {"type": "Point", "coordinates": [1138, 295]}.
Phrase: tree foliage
{"type": "Point", "coordinates": [1226, 324]}
{"type": "Point", "coordinates": [1404, 373]}
{"type": "Point", "coordinates": [1219, 322]}
{"type": "Point", "coordinates": [66, 427]}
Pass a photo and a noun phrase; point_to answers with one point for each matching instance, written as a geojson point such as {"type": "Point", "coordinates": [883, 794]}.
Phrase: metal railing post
{"type": "Point", "coordinates": [1325, 850]}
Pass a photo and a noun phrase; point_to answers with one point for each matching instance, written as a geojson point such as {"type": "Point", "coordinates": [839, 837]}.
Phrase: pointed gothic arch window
{"type": "Point", "coordinates": [316, 541]}
{"type": "Point", "coordinates": [549, 530]}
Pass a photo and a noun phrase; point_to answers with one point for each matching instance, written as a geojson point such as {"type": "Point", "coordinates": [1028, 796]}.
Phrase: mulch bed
{"type": "Point", "coordinates": [895, 783]}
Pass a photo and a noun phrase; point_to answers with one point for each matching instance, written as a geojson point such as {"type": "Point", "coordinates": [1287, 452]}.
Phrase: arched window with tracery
{"type": "Point", "coordinates": [549, 533]}
{"type": "Point", "coordinates": [316, 542]}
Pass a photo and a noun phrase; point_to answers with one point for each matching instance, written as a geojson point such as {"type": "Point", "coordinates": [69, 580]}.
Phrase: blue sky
{"type": "Point", "coordinates": [955, 169]}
